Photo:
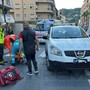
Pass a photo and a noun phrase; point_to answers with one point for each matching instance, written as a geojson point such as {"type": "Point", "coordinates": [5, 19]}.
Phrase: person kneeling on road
{"type": "Point", "coordinates": [15, 48]}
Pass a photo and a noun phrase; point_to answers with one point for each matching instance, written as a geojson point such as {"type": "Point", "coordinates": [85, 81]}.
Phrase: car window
{"type": "Point", "coordinates": [46, 27]}
{"type": "Point", "coordinates": [68, 32]}
{"type": "Point", "coordinates": [43, 27]}
{"type": "Point", "coordinates": [39, 27]}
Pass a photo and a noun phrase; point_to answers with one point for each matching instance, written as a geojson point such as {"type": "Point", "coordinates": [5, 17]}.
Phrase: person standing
{"type": "Point", "coordinates": [2, 26]}
{"type": "Point", "coordinates": [30, 44]}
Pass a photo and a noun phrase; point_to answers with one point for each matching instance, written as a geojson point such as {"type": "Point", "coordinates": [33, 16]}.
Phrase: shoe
{"type": "Point", "coordinates": [5, 61]}
{"type": "Point", "coordinates": [2, 63]}
{"type": "Point", "coordinates": [29, 73]}
{"type": "Point", "coordinates": [36, 72]}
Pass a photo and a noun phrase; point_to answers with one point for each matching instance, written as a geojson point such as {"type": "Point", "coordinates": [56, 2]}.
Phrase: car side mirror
{"type": "Point", "coordinates": [45, 37]}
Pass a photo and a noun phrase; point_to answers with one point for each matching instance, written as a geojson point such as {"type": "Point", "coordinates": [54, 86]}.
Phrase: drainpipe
{"type": "Point", "coordinates": [3, 8]}
{"type": "Point", "coordinates": [23, 12]}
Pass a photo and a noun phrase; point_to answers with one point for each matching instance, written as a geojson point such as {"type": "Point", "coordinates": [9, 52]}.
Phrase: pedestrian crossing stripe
{"type": "Point", "coordinates": [42, 54]}
{"type": "Point", "coordinates": [89, 81]}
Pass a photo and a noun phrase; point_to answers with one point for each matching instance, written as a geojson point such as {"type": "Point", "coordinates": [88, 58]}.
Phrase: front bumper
{"type": "Point", "coordinates": [69, 66]}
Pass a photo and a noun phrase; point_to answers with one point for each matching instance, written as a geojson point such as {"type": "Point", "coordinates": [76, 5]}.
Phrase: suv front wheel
{"type": "Point", "coordinates": [49, 65]}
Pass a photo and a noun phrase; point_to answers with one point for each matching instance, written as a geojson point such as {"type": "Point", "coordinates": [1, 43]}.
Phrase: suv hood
{"type": "Point", "coordinates": [72, 44]}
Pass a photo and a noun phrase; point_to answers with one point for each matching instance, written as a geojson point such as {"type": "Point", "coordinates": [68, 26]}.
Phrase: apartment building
{"type": "Point", "coordinates": [61, 17]}
{"type": "Point", "coordinates": [32, 10]}
{"type": "Point", "coordinates": [5, 6]}
{"type": "Point", "coordinates": [45, 9]}
{"type": "Point", "coordinates": [24, 10]}
{"type": "Point", "coordinates": [85, 9]}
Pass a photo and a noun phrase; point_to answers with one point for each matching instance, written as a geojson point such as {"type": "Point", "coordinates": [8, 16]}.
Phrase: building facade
{"type": "Point", "coordinates": [85, 11]}
{"type": "Point", "coordinates": [61, 17]}
{"type": "Point", "coordinates": [32, 10]}
{"type": "Point", "coordinates": [5, 6]}
{"type": "Point", "coordinates": [45, 9]}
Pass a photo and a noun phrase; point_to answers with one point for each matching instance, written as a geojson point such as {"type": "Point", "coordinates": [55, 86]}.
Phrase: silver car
{"type": "Point", "coordinates": [67, 47]}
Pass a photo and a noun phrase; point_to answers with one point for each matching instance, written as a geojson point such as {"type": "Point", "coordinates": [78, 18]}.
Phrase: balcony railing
{"type": "Point", "coordinates": [45, 1]}
{"type": "Point", "coordinates": [48, 10]}
{"type": "Point", "coordinates": [7, 3]}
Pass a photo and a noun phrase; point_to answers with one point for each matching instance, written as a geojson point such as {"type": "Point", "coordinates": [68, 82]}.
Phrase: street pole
{"type": "Point", "coordinates": [3, 9]}
{"type": "Point", "coordinates": [23, 10]}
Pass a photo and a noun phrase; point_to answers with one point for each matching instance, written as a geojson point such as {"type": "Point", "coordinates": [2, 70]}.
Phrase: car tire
{"type": "Point", "coordinates": [49, 65]}
{"type": "Point", "coordinates": [48, 62]}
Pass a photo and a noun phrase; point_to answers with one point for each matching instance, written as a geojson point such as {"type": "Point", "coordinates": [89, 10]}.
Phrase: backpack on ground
{"type": "Point", "coordinates": [9, 76]}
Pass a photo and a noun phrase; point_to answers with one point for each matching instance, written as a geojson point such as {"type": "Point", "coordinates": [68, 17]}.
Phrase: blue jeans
{"type": "Point", "coordinates": [15, 48]}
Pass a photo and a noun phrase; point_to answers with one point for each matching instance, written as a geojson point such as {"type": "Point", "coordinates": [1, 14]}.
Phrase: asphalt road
{"type": "Point", "coordinates": [46, 80]}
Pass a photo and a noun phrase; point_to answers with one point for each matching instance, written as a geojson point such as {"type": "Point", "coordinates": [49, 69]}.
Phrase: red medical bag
{"type": "Point", "coordinates": [9, 76]}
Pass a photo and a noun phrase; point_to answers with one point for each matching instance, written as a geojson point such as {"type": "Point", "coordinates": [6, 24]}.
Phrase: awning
{"type": "Point", "coordinates": [9, 18]}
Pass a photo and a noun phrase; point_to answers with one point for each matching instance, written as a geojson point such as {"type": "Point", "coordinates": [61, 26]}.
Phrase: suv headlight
{"type": "Point", "coordinates": [55, 51]}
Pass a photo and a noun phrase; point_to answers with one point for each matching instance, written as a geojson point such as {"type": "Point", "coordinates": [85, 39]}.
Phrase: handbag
{"type": "Point", "coordinates": [9, 76]}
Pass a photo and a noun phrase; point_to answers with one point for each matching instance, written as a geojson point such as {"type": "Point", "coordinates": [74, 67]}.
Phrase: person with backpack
{"type": "Point", "coordinates": [30, 43]}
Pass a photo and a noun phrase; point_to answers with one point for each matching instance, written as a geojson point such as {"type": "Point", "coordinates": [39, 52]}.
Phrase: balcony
{"type": "Point", "coordinates": [48, 10]}
{"type": "Point", "coordinates": [7, 3]}
{"type": "Point", "coordinates": [46, 1]}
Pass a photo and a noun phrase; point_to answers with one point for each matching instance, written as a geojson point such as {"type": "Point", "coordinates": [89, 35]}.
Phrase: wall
{"type": "Point", "coordinates": [17, 28]}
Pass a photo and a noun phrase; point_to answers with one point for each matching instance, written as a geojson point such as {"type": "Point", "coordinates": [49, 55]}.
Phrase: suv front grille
{"type": "Point", "coordinates": [72, 53]}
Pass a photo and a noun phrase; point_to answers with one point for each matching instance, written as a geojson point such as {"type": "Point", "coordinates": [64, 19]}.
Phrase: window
{"type": "Point", "coordinates": [32, 6]}
{"type": "Point", "coordinates": [7, 2]}
{"type": "Point", "coordinates": [68, 32]}
{"type": "Point", "coordinates": [17, 6]}
{"type": "Point", "coordinates": [17, 16]}
{"type": "Point", "coordinates": [32, 15]}
{"type": "Point", "coordinates": [25, 15]}
{"type": "Point", "coordinates": [24, 6]}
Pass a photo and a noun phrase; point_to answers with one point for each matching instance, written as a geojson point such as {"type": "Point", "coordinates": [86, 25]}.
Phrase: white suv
{"type": "Point", "coordinates": [67, 47]}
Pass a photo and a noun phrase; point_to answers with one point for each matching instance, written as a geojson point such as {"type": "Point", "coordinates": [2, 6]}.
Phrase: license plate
{"type": "Point", "coordinates": [80, 61]}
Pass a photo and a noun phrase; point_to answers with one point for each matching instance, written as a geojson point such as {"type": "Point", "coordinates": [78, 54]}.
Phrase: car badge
{"type": "Point", "coordinates": [79, 54]}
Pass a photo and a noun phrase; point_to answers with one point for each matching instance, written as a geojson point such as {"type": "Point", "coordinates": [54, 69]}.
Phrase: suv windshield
{"type": "Point", "coordinates": [68, 32]}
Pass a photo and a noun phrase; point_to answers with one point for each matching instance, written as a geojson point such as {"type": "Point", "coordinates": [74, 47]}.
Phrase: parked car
{"type": "Point", "coordinates": [67, 47]}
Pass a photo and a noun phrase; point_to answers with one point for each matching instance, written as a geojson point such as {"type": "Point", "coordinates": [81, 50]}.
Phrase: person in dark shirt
{"type": "Point", "coordinates": [30, 43]}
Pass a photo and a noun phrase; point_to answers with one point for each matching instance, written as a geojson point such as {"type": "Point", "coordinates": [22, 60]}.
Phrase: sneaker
{"type": "Point", "coordinates": [29, 73]}
{"type": "Point", "coordinates": [36, 72]}
{"type": "Point", "coordinates": [2, 63]}
{"type": "Point", "coordinates": [5, 61]}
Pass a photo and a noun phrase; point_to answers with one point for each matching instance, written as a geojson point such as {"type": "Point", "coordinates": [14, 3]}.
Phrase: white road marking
{"type": "Point", "coordinates": [87, 72]}
{"type": "Point", "coordinates": [42, 54]}
{"type": "Point", "coordinates": [89, 81]}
